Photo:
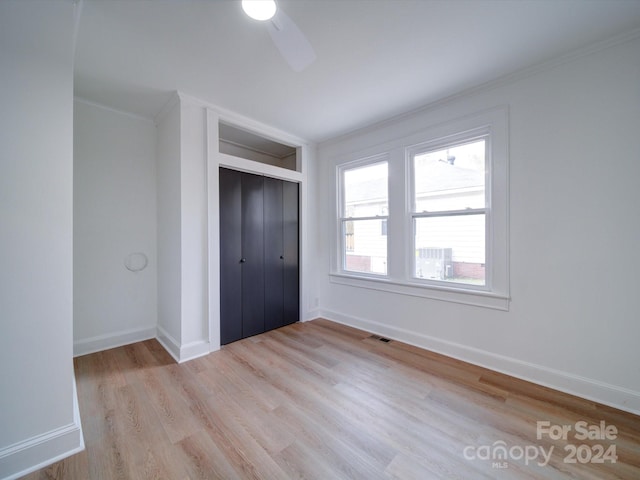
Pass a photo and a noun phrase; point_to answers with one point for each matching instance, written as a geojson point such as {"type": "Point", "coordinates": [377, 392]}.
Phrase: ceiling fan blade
{"type": "Point", "coordinates": [289, 39]}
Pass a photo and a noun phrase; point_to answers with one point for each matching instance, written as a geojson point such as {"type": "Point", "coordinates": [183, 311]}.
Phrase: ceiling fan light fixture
{"type": "Point", "coordinates": [259, 9]}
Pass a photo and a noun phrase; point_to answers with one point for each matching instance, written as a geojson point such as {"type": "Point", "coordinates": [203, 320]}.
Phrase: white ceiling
{"type": "Point", "coordinates": [376, 58]}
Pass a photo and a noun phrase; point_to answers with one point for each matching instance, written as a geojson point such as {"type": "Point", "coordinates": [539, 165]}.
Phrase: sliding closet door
{"type": "Point", "coordinates": [230, 255]}
{"type": "Point", "coordinates": [291, 275]}
{"type": "Point", "coordinates": [252, 259]}
{"type": "Point", "coordinates": [273, 254]}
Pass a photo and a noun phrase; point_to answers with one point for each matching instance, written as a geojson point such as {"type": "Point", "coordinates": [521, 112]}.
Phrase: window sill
{"type": "Point", "coordinates": [435, 292]}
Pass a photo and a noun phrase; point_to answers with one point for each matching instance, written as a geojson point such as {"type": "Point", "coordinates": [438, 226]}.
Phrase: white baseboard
{"type": "Point", "coordinates": [182, 353]}
{"type": "Point", "coordinates": [42, 450]}
{"type": "Point", "coordinates": [590, 389]}
{"type": "Point", "coordinates": [194, 350]}
{"type": "Point", "coordinates": [112, 340]}
{"type": "Point", "coordinates": [170, 344]}
{"type": "Point", "coordinates": [310, 315]}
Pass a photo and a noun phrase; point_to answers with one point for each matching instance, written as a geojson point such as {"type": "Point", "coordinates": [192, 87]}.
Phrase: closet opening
{"type": "Point", "coordinates": [242, 143]}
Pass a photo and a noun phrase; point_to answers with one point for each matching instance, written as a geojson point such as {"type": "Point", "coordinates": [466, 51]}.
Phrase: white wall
{"type": "Point", "coordinates": [183, 315]}
{"type": "Point", "coordinates": [114, 216]}
{"type": "Point", "coordinates": [193, 191]}
{"type": "Point", "coordinates": [168, 221]}
{"type": "Point", "coordinates": [38, 422]}
{"type": "Point", "coordinates": [574, 232]}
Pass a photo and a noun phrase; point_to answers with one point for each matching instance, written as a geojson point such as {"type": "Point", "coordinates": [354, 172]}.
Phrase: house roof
{"type": "Point", "coordinates": [442, 177]}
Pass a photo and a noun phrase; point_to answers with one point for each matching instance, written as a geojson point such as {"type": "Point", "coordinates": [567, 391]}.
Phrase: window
{"type": "Point", "coordinates": [363, 217]}
{"type": "Point", "coordinates": [449, 211]}
{"type": "Point", "coordinates": [429, 217]}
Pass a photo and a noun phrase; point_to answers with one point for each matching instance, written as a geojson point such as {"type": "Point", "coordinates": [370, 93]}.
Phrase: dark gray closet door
{"type": "Point", "coordinates": [291, 280]}
{"type": "Point", "coordinates": [230, 255]}
{"type": "Point", "coordinates": [252, 259]}
{"type": "Point", "coordinates": [259, 279]}
{"type": "Point", "coordinates": [273, 254]}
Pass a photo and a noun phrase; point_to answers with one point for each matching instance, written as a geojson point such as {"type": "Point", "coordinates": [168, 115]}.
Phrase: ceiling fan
{"type": "Point", "coordinates": [287, 37]}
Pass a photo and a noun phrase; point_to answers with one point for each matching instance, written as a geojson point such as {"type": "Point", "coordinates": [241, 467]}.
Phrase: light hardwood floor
{"type": "Point", "coordinates": [324, 401]}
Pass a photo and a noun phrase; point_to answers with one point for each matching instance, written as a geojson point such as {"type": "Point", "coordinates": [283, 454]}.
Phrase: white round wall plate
{"type": "Point", "coordinates": [136, 262]}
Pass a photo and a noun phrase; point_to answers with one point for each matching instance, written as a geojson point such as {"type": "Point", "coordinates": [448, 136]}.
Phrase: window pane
{"type": "Point", "coordinates": [450, 179]}
{"type": "Point", "coordinates": [450, 249]}
{"type": "Point", "coordinates": [365, 191]}
{"type": "Point", "coordinates": [365, 246]}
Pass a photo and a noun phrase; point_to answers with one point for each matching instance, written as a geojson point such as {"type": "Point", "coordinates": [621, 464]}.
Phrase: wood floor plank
{"type": "Point", "coordinates": [309, 350]}
{"type": "Point", "coordinates": [184, 383]}
{"type": "Point", "coordinates": [251, 460]}
{"type": "Point", "coordinates": [203, 460]}
{"type": "Point", "coordinates": [320, 400]}
{"type": "Point", "coordinates": [236, 371]}
{"type": "Point", "coordinates": [178, 422]}
{"type": "Point", "coordinates": [135, 425]}
{"type": "Point", "coordinates": [335, 450]}
{"type": "Point", "coordinates": [256, 421]}
{"type": "Point", "coordinates": [299, 461]}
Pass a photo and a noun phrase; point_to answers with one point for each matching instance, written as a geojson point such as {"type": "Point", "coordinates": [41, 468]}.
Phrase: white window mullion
{"type": "Point", "coordinates": [397, 235]}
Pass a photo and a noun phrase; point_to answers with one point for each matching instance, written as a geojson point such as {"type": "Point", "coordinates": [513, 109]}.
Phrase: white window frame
{"type": "Point", "coordinates": [400, 236]}
{"type": "Point", "coordinates": [482, 133]}
{"type": "Point", "coordinates": [342, 249]}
